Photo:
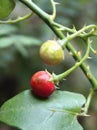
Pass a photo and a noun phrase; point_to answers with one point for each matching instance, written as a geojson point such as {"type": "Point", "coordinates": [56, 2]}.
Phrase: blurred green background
{"type": "Point", "coordinates": [19, 52]}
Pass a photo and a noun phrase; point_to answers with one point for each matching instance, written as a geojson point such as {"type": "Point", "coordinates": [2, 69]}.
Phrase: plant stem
{"type": "Point", "coordinates": [76, 34]}
{"type": "Point", "coordinates": [57, 78]}
{"type": "Point", "coordinates": [87, 104]}
{"type": "Point", "coordinates": [61, 27]}
{"type": "Point", "coordinates": [46, 18]}
{"type": "Point", "coordinates": [19, 19]}
{"type": "Point", "coordinates": [42, 14]}
{"type": "Point", "coordinates": [54, 10]}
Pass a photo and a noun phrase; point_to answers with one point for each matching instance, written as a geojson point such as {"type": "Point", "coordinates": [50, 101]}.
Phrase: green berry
{"type": "Point", "coordinates": [51, 52]}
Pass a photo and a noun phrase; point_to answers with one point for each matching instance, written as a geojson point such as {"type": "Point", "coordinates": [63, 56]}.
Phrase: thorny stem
{"type": "Point", "coordinates": [76, 34]}
{"type": "Point", "coordinates": [57, 78]}
{"type": "Point", "coordinates": [47, 19]}
{"type": "Point", "coordinates": [19, 19]}
{"type": "Point", "coordinates": [87, 104]}
{"type": "Point", "coordinates": [44, 16]}
{"type": "Point", "coordinates": [54, 9]}
{"type": "Point", "coordinates": [61, 27]}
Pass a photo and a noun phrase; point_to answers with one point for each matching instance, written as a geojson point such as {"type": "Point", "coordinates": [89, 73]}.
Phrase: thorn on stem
{"type": "Point", "coordinates": [79, 53]}
{"type": "Point", "coordinates": [56, 3]}
{"type": "Point", "coordinates": [70, 53]}
{"type": "Point", "coordinates": [74, 29]}
{"type": "Point", "coordinates": [88, 67]}
{"type": "Point", "coordinates": [88, 75]}
{"type": "Point", "coordinates": [89, 57]}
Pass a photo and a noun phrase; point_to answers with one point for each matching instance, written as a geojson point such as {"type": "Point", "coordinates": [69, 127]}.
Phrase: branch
{"type": "Point", "coordinates": [19, 19]}
{"type": "Point", "coordinates": [47, 19]}
{"type": "Point", "coordinates": [57, 78]}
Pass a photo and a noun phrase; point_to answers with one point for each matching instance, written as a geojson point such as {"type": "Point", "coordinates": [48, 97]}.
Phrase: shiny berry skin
{"type": "Point", "coordinates": [40, 84]}
{"type": "Point", "coordinates": [51, 52]}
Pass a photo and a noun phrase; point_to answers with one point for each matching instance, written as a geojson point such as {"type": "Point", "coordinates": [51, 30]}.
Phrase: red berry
{"type": "Point", "coordinates": [41, 84]}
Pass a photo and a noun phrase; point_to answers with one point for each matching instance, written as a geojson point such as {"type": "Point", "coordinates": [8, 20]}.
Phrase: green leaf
{"type": "Point", "coordinates": [26, 40]}
{"type": "Point", "coordinates": [58, 112]}
{"type": "Point", "coordinates": [7, 29]}
{"type": "Point", "coordinates": [6, 7]}
{"type": "Point", "coordinates": [22, 41]}
{"type": "Point", "coordinates": [6, 42]}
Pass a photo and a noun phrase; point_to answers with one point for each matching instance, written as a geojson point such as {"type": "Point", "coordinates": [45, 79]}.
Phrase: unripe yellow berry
{"type": "Point", "coordinates": [51, 52]}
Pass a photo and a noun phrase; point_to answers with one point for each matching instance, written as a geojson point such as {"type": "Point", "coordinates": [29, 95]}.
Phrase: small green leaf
{"type": "Point", "coordinates": [6, 7]}
{"type": "Point", "coordinates": [7, 29]}
{"type": "Point", "coordinates": [6, 42]}
{"type": "Point", "coordinates": [22, 41]}
{"type": "Point", "coordinates": [26, 40]}
{"type": "Point", "coordinates": [58, 112]}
